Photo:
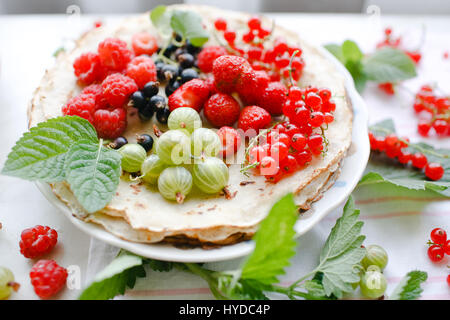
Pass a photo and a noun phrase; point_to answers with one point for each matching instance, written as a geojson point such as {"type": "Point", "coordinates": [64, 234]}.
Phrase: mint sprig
{"type": "Point", "coordinates": [384, 65]}
{"type": "Point", "coordinates": [67, 148]}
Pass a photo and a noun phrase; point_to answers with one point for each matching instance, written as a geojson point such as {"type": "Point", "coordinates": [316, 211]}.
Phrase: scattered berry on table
{"type": "Point", "coordinates": [142, 70]}
{"type": "Point", "coordinates": [192, 94]}
{"type": "Point", "coordinates": [438, 236]}
{"type": "Point", "coordinates": [114, 54]}
{"type": "Point", "coordinates": [117, 88]}
{"type": "Point", "coordinates": [436, 253]}
{"type": "Point", "coordinates": [221, 110]}
{"type": "Point", "coordinates": [144, 43]}
{"type": "Point", "coordinates": [7, 283]}
{"type": "Point", "coordinates": [88, 68]}
{"type": "Point", "coordinates": [387, 88]}
{"type": "Point", "coordinates": [110, 123]}
{"type": "Point", "coordinates": [47, 278]}
{"type": "Point", "coordinates": [37, 241]}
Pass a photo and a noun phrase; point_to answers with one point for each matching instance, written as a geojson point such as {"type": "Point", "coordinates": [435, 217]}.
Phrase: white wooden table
{"type": "Point", "coordinates": [26, 47]}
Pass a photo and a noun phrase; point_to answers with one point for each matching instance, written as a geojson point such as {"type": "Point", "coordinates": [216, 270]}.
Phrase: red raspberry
{"type": "Point", "coordinates": [252, 86]}
{"type": "Point", "coordinates": [207, 56]}
{"type": "Point", "coordinates": [273, 98]}
{"type": "Point", "coordinates": [144, 43]}
{"type": "Point", "coordinates": [221, 110]}
{"type": "Point", "coordinates": [97, 91]}
{"type": "Point", "coordinates": [227, 72]}
{"type": "Point", "coordinates": [117, 88]}
{"type": "Point", "coordinates": [47, 278]}
{"type": "Point", "coordinates": [82, 105]}
{"type": "Point", "coordinates": [88, 68]}
{"type": "Point", "coordinates": [231, 141]}
{"type": "Point", "coordinates": [142, 70]}
{"type": "Point", "coordinates": [37, 241]}
{"type": "Point", "coordinates": [193, 94]}
{"type": "Point", "coordinates": [114, 54]}
{"type": "Point", "coordinates": [110, 124]}
{"type": "Point", "coordinates": [254, 117]}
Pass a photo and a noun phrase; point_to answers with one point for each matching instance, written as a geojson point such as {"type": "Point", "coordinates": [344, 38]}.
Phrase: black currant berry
{"type": "Point", "coordinates": [145, 141]}
{"type": "Point", "coordinates": [168, 72]}
{"type": "Point", "coordinates": [191, 48]}
{"type": "Point", "coordinates": [169, 50]}
{"type": "Point", "coordinates": [150, 89]}
{"type": "Point", "coordinates": [179, 52]}
{"type": "Point", "coordinates": [157, 102]}
{"type": "Point", "coordinates": [186, 60]}
{"type": "Point", "coordinates": [138, 100]}
{"type": "Point", "coordinates": [162, 115]}
{"type": "Point", "coordinates": [188, 75]}
{"type": "Point", "coordinates": [146, 113]}
{"type": "Point", "coordinates": [171, 87]}
{"type": "Point", "coordinates": [118, 143]}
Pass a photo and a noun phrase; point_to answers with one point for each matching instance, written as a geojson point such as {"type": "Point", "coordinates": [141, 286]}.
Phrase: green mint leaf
{"type": "Point", "coordinates": [274, 243]}
{"type": "Point", "coordinates": [381, 170]}
{"type": "Point", "coordinates": [342, 253]}
{"type": "Point", "coordinates": [389, 65]}
{"type": "Point", "coordinates": [160, 18]}
{"type": "Point", "coordinates": [351, 51]}
{"type": "Point", "coordinates": [409, 287]}
{"type": "Point", "coordinates": [161, 266]}
{"type": "Point", "coordinates": [336, 50]}
{"type": "Point", "coordinates": [93, 173]}
{"type": "Point", "coordinates": [189, 25]}
{"type": "Point", "coordinates": [121, 273]}
{"type": "Point", "coordinates": [359, 78]}
{"type": "Point", "coordinates": [40, 153]}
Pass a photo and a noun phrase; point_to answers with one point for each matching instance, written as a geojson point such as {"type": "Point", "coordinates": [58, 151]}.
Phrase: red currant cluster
{"type": "Point", "coordinates": [395, 42]}
{"type": "Point", "coordinates": [394, 146]}
{"type": "Point", "coordinates": [439, 246]}
{"type": "Point", "coordinates": [433, 112]}
{"type": "Point", "coordinates": [273, 58]}
{"type": "Point", "coordinates": [291, 145]}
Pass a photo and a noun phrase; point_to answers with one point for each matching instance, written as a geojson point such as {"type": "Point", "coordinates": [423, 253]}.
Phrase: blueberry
{"type": "Point", "coordinates": [138, 100]}
{"type": "Point", "coordinates": [188, 75]}
{"type": "Point", "coordinates": [157, 102]}
{"type": "Point", "coordinates": [162, 115]}
{"type": "Point", "coordinates": [118, 142]}
{"type": "Point", "coordinates": [168, 72]}
{"type": "Point", "coordinates": [150, 89]}
{"type": "Point", "coordinates": [186, 60]}
{"type": "Point", "coordinates": [171, 87]}
{"type": "Point", "coordinates": [145, 141]}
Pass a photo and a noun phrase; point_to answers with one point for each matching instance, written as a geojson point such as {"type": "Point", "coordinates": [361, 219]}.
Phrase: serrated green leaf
{"type": "Point", "coordinates": [381, 169]}
{"type": "Point", "coordinates": [351, 51]}
{"type": "Point", "coordinates": [160, 18]}
{"type": "Point", "coordinates": [389, 65]}
{"type": "Point", "coordinates": [409, 287]}
{"type": "Point", "coordinates": [93, 173]}
{"type": "Point", "coordinates": [342, 253]}
{"type": "Point", "coordinates": [41, 152]}
{"type": "Point", "coordinates": [336, 50]}
{"type": "Point", "coordinates": [161, 266]}
{"type": "Point", "coordinates": [274, 243]}
{"type": "Point", "coordinates": [189, 25]}
{"type": "Point", "coordinates": [315, 289]}
{"type": "Point", "coordinates": [359, 78]}
{"type": "Point", "coordinates": [121, 273]}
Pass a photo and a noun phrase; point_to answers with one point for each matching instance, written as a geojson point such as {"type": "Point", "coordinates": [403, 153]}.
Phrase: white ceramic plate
{"type": "Point", "coordinates": [352, 170]}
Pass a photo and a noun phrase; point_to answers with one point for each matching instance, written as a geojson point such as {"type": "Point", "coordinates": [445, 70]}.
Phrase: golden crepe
{"type": "Point", "coordinates": [139, 213]}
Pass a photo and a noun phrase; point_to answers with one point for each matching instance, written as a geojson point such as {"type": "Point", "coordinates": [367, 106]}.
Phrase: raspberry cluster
{"type": "Point", "coordinates": [439, 246]}
{"type": "Point", "coordinates": [433, 112]}
{"type": "Point", "coordinates": [392, 41]}
{"type": "Point", "coordinates": [395, 147]}
{"type": "Point", "coordinates": [273, 58]}
{"type": "Point", "coordinates": [37, 241]}
{"type": "Point", "coordinates": [289, 146]}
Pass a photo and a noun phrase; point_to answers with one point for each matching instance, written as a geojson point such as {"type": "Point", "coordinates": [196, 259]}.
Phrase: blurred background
{"type": "Point", "coordinates": [128, 6]}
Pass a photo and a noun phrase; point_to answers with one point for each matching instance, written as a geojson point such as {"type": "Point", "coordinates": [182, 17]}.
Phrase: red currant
{"type": "Point", "coordinates": [446, 247]}
{"type": "Point", "coordinates": [317, 119]}
{"type": "Point", "coordinates": [279, 151]}
{"type": "Point", "coordinates": [220, 24]}
{"type": "Point", "coordinates": [254, 23]}
{"type": "Point", "coordinates": [298, 141]}
{"type": "Point", "coordinates": [419, 160]}
{"type": "Point", "coordinates": [303, 157]}
{"type": "Point", "coordinates": [436, 253]}
{"type": "Point", "coordinates": [434, 171]}
{"type": "Point", "coordinates": [229, 36]}
{"type": "Point", "coordinates": [438, 236]}
{"type": "Point", "coordinates": [289, 164]}
{"type": "Point", "coordinates": [314, 141]}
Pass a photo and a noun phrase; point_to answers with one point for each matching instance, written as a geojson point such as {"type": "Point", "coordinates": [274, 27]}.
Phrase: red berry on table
{"type": "Point", "coordinates": [229, 36]}
{"type": "Point", "coordinates": [83, 105]}
{"type": "Point", "coordinates": [220, 24]}
{"type": "Point", "coordinates": [254, 117]}
{"type": "Point", "coordinates": [37, 241]}
{"type": "Point", "coordinates": [221, 110]}
{"type": "Point", "coordinates": [438, 236]}
{"type": "Point", "coordinates": [192, 94]}
{"type": "Point", "coordinates": [434, 171]}
{"type": "Point", "coordinates": [87, 68]}
{"type": "Point", "coordinates": [227, 71]}
{"type": "Point", "coordinates": [110, 124]}
{"type": "Point", "coordinates": [206, 57]}
{"type": "Point", "coordinates": [423, 128]}
{"type": "Point", "coordinates": [273, 98]}
{"type": "Point", "coordinates": [419, 160]}
{"type": "Point", "coordinates": [142, 70]}
{"type": "Point", "coordinates": [231, 140]}
{"type": "Point", "coordinates": [144, 43]}
{"type": "Point", "coordinates": [436, 253]}
{"type": "Point", "coordinates": [114, 54]}
{"type": "Point", "coordinates": [387, 88]}
{"type": "Point", "coordinates": [117, 88]}
{"type": "Point", "coordinates": [47, 278]}
{"type": "Point", "coordinates": [446, 247]}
